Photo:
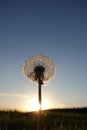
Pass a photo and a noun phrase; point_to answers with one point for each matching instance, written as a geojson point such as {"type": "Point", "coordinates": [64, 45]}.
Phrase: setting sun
{"type": "Point", "coordinates": [33, 105]}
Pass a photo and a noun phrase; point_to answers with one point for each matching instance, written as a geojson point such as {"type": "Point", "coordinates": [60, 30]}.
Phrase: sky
{"type": "Point", "coordinates": [55, 28]}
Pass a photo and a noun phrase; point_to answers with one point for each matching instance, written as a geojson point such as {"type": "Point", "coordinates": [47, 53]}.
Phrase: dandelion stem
{"type": "Point", "coordinates": [40, 103]}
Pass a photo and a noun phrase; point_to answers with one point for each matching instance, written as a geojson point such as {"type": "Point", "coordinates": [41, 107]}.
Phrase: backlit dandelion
{"type": "Point", "coordinates": [39, 69]}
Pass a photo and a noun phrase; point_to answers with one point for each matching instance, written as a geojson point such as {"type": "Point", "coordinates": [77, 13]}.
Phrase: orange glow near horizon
{"type": "Point", "coordinates": [33, 105]}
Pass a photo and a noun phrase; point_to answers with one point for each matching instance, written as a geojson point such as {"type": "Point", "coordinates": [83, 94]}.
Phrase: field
{"type": "Point", "coordinates": [56, 119]}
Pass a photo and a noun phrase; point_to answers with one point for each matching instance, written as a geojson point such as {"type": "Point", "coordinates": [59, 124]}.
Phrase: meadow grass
{"type": "Point", "coordinates": [59, 119]}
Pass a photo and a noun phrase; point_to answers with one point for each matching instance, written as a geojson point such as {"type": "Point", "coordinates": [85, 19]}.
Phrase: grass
{"type": "Point", "coordinates": [57, 119]}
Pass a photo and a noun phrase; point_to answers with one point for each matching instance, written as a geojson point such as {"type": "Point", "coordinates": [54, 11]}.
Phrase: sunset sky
{"type": "Point", "coordinates": [55, 28]}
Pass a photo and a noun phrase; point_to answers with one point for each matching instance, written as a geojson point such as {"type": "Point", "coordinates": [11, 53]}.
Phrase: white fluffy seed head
{"type": "Point", "coordinates": [39, 60]}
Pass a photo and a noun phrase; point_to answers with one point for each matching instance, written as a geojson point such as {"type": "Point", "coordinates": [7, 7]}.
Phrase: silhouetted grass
{"type": "Point", "coordinates": [55, 119]}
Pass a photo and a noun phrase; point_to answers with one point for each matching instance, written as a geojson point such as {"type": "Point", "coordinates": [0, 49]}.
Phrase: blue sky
{"type": "Point", "coordinates": [57, 29]}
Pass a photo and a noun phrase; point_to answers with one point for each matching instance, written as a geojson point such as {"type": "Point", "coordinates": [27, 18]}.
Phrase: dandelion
{"type": "Point", "coordinates": [39, 68]}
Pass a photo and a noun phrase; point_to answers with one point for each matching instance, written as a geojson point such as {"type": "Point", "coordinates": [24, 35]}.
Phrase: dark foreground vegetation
{"type": "Point", "coordinates": [55, 119]}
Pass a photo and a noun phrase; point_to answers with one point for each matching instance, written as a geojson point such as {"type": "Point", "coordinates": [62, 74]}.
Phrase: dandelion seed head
{"type": "Point", "coordinates": [38, 65]}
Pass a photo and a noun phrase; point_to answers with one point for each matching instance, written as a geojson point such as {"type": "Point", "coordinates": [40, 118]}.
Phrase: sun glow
{"type": "Point", "coordinates": [33, 105]}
